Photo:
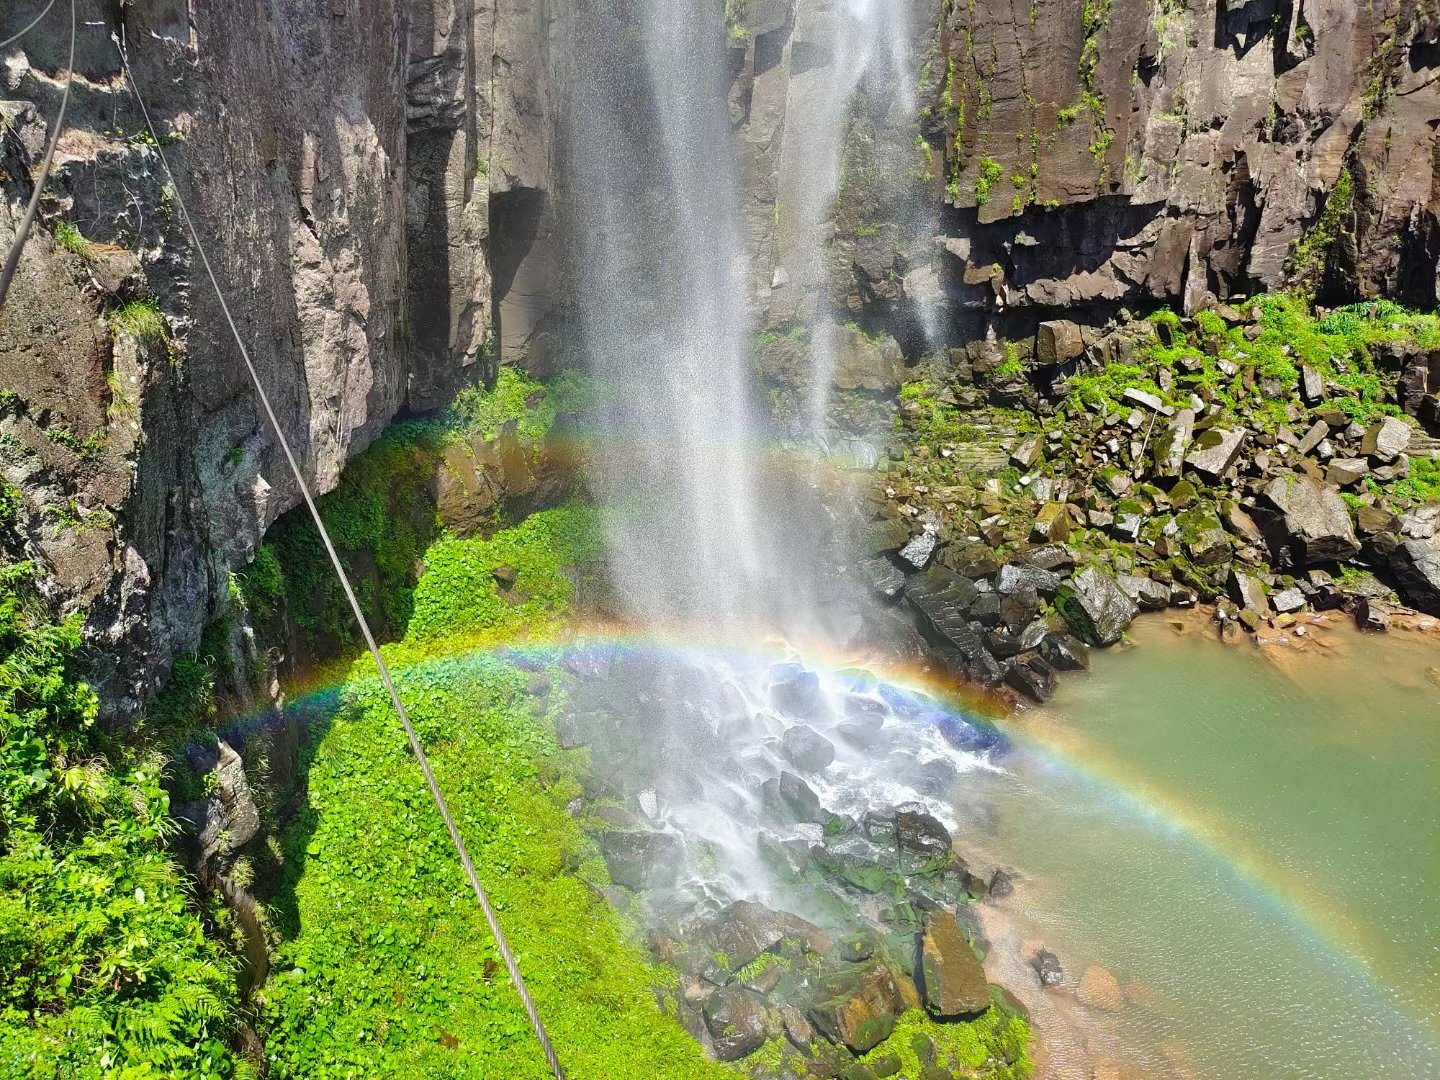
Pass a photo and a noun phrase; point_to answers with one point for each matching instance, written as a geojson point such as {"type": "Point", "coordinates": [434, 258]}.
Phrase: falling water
{"type": "Point", "coordinates": [704, 530]}
{"type": "Point", "coordinates": [658, 276]}
{"type": "Point", "coordinates": [863, 45]}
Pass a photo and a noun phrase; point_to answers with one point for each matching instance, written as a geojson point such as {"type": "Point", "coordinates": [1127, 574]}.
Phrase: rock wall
{"type": "Point", "coordinates": [1132, 152]}
{"type": "Point", "coordinates": [1093, 154]}
{"type": "Point", "coordinates": [346, 163]}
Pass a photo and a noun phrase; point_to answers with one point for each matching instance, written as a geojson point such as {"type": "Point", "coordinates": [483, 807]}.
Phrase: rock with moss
{"type": "Point", "coordinates": [858, 1008]}
{"type": "Point", "coordinates": [953, 983]}
{"type": "Point", "coordinates": [1095, 607]}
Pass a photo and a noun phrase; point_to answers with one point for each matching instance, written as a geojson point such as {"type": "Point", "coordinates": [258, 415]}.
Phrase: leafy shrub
{"type": "Point", "coordinates": [105, 968]}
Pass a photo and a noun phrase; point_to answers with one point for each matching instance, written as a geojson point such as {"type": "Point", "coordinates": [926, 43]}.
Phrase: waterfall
{"type": "Point", "coordinates": [658, 278]}
{"type": "Point", "coordinates": [712, 534]}
{"type": "Point", "coordinates": [858, 59]}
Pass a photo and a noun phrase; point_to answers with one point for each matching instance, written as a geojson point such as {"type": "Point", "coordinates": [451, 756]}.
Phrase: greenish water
{"type": "Point", "coordinates": [1251, 845]}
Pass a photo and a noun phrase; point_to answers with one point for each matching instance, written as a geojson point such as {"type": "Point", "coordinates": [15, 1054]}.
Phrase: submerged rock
{"type": "Point", "coordinates": [1100, 990]}
{"type": "Point", "coordinates": [1047, 968]}
{"type": "Point", "coordinates": [953, 982]}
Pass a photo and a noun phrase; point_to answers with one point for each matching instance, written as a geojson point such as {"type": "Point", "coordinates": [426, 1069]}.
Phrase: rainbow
{"type": "Point", "coordinates": [1051, 745]}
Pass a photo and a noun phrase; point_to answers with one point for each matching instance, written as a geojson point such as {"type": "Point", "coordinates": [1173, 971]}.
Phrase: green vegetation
{"type": "Point", "coordinates": [1222, 363]}
{"type": "Point", "coordinates": [420, 991]}
{"type": "Point", "coordinates": [69, 237]}
{"type": "Point", "coordinates": [140, 319]}
{"type": "Point", "coordinates": [989, 175]}
{"type": "Point", "coordinates": [515, 398]}
{"type": "Point", "coordinates": [105, 966]}
{"type": "Point", "coordinates": [460, 594]}
{"type": "Point", "coordinates": [1315, 253]}
{"type": "Point", "coordinates": [1423, 483]}
{"type": "Point", "coordinates": [997, 1039]}
{"type": "Point", "coordinates": [381, 519]}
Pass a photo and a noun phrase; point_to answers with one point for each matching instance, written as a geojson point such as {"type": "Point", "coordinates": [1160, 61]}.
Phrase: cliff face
{"type": "Point", "coordinates": [1092, 154]}
{"type": "Point", "coordinates": [345, 162]}
{"type": "Point", "coordinates": [1141, 151]}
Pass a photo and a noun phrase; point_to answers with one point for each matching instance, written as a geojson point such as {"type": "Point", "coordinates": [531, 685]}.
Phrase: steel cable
{"type": "Point", "coordinates": [414, 740]}
{"type": "Point", "coordinates": [12, 261]}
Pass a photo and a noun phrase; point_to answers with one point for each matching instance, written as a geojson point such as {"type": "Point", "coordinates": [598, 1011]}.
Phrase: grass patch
{"type": "Point", "coordinates": [70, 238]}
{"type": "Point", "coordinates": [140, 319]}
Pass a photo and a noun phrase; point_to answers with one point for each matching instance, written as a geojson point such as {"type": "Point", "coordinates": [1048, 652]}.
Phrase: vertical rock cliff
{"type": "Point", "coordinates": [352, 165]}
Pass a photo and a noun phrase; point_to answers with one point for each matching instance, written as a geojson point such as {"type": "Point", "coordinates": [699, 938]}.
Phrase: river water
{"type": "Point", "coordinates": [1248, 842]}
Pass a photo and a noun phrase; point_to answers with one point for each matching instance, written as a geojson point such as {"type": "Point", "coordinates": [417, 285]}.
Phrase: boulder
{"type": "Point", "coordinates": [1132, 396]}
{"type": "Point", "coordinates": [916, 834]}
{"type": "Point", "coordinates": [1248, 591]}
{"type": "Point", "coordinates": [1064, 653]}
{"type": "Point", "coordinates": [1014, 576]}
{"type": "Point", "coordinates": [882, 577]}
{"type": "Point", "coordinates": [224, 822]}
{"type": "Point", "coordinates": [735, 1019]}
{"type": "Point", "coordinates": [1031, 676]}
{"type": "Point", "coordinates": [1052, 522]}
{"type": "Point", "coordinates": [1172, 443]}
{"type": "Point", "coordinates": [1312, 386]}
{"type": "Point", "coordinates": [787, 798]}
{"type": "Point", "coordinates": [1019, 609]}
{"type": "Point", "coordinates": [1342, 472]}
{"type": "Point", "coordinates": [1047, 968]}
{"type": "Point", "coordinates": [1372, 614]}
{"type": "Point", "coordinates": [795, 691]}
{"type": "Point", "coordinates": [1058, 341]}
{"type": "Point", "coordinates": [1214, 451]}
{"type": "Point", "coordinates": [1095, 607]}
{"type": "Point", "coordinates": [1148, 594]}
{"type": "Point", "coordinates": [920, 550]}
{"type": "Point", "coordinates": [878, 537]}
{"type": "Point", "coordinates": [1314, 437]}
{"type": "Point", "coordinates": [858, 1008]}
{"type": "Point", "coordinates": [1026, 452]}
{"type": "Point", "coordinates": [807, 749]}
{"type": "Point", "coordinates": [641, 859]}
{"type": "Point", "coordinates": [953, 983]}
{"type": "Point", "coordinates": [1287, 600]}
{"type": "Point", "coordinates": [740, 933]}
{"type": "Point", "coordinates": [1385, 439]}
{"type": "Point", "coordinates": [1416, 567]}
{"type": "Point", "coordinates": [866, 362]}
{"type": "Point", "coordinates": [1316, 522]}
{"type": "Point", "coordinates": [1203, 536]}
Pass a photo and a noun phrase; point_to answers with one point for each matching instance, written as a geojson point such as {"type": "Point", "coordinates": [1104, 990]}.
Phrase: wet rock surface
{"type": "Point", "coordinates": [798, 909]}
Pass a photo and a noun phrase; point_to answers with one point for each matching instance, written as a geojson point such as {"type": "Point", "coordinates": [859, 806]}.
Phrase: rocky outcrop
{"type": "Point", "coordinates": [348, 167]}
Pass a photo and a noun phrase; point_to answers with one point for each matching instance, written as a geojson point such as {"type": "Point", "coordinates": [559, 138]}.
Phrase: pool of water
{"type": "Point", "coordinates": [1248, 842]}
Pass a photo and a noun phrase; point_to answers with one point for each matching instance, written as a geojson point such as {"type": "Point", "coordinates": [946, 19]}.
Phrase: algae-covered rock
{"type": "Point", "coordinates": [858, 1008]}
{"type": "Point", "coordinates": [953, 982]}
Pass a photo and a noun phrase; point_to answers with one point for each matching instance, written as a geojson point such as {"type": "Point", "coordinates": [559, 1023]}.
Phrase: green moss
{"type": "Point", "coordinates": [459, 594]}
{"type": "Point", "coordinates": [515, 398]}
{"type": "Point", "coordinates": [1423, 483]}
{"type": "Point", "coordinates": [989, 175]}
{"type": "Point", "coordinates": [992, 1047]}
{"type": "Point", "coordinates": [419, 992]}
{"type": "Point", "coordinates": [1314, 254]}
